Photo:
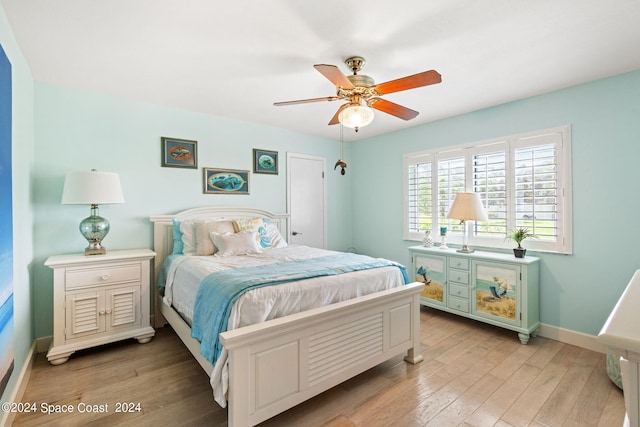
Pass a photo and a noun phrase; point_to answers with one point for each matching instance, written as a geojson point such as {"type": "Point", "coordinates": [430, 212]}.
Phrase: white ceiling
{"type": "Point", "coordinates": [235, 58]}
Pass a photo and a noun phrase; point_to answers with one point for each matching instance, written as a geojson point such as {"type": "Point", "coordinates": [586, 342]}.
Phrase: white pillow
{"type": "Point", "coordinates": [272, 232]}
{"type": "Point", "coordinates": [188, 237]}
{"type": "Point", "coordinates": [243, 243]}
{"type": "Point", "coordinates": [204, 245]}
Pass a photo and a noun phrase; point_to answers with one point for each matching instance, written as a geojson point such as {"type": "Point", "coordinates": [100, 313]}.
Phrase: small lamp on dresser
{"type": "Point", "coordinates": [467, 207]}
{"type": "Point", "coordinates": [93, 188]}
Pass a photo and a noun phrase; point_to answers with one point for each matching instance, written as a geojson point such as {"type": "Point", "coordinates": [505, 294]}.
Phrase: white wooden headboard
{"type": "Point", "coordinates": [163, 227]}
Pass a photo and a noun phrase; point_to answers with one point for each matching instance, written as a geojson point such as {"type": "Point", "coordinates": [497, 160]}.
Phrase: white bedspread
{"type": "Point", "coordinates": [270, 302]}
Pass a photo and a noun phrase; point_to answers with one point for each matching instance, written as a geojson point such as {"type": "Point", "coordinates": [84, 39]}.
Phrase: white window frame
{"type": "Point", "coordinates": [559, 136]}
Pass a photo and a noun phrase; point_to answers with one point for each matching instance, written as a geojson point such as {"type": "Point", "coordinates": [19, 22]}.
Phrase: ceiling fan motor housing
{"type": "Point", "coordinates": [364, 88]}
{"type": "Point", "coordinates": [361, 80]}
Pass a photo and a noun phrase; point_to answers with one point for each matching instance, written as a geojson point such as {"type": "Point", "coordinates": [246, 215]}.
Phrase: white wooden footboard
{"type": "Point", "coordinates": [280, 363]}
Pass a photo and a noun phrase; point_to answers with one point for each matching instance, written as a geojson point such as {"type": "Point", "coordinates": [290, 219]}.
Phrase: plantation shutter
{"type": "Point", "coordinates": [420, 188]}
{"type": "Point", "coordinates": [451, 180]}
{"type": "Point", "coordinates": [536, 190]}
{"type": "Point", "coordinates": [490, 181]}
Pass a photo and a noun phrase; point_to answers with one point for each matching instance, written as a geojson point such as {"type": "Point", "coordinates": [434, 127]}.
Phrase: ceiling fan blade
{"type": "Point", "coordinates": [334, 120]}
{"type": "Point", "coordinates": [410, 82]}
{"type": "Point", "coordinates": [334, 74]}
{"type": "Point", "coordinates": [306, 101]}
{"type": "Point", "coordinates": [392, 108]}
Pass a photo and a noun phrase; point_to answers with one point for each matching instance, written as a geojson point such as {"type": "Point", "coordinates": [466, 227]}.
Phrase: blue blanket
{"type": "Point", "coordinates": [220, 290]}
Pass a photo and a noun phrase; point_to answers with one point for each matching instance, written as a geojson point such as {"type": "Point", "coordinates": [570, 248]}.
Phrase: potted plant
{"type": "Point", "coordinates": [518, 235]}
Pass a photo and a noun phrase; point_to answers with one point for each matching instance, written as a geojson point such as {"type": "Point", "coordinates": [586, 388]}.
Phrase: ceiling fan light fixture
{"type": "Point", "coordinates": [356, 116]}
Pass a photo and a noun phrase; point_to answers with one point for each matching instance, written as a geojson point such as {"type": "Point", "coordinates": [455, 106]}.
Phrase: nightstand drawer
{"type": "Point", "coordinates": [459, 291]}
{"type": "Point", "coordinates": [103, 275]}
{"type": "Point", "coordinates": [458, 276]}
{"type": "Point", "coordinates": [458, 304]}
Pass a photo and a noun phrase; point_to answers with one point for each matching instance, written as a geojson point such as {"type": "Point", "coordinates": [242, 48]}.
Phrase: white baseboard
{"type": "Point", "coordinates": [571, 337]}
{"type": "Point", "coordinates": [6, 418]}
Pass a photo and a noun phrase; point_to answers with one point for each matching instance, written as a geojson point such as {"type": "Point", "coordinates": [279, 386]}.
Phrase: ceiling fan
{"type": "Point", "coordinates": [362, 94]}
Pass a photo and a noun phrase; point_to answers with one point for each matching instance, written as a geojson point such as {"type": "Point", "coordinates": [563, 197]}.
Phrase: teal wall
{"type": "Point", "coordinates": [78, 130]}
{"type": "Point", "coordinates": [22, 158]}
{"type": "Point", "coordinates": [577, 291]}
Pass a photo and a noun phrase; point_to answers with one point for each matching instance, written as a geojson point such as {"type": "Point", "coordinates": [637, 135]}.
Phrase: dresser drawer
{"type": "Point", "coordinates": [459, 263]}
{"type": "Point", "coordinates": [103, 275]}
{"type": "Point", "coordinates": [458, 304]}
{"type": "Point", "coordinates": [458, 276]}
{"type": "Point", "coordinates": [459, 291]}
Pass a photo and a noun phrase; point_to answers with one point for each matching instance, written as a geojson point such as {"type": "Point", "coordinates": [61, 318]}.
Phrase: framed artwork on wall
{"type": "Point", "coordinates": [179, 153]}
{"type": "Point", "coordinates": [226, 181]}
{"type": "Point", "coordinates": [265, 161]}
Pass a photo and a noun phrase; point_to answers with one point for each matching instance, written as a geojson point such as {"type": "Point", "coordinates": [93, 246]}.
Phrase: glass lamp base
{"type": "Point", "coordinates": [94, 228]}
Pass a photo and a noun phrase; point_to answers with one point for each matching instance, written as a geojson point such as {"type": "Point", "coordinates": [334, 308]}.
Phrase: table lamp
{"type": "Point", "coordinates": [467, 207]}
{"type": "Point", "coordinates": [93, 188]}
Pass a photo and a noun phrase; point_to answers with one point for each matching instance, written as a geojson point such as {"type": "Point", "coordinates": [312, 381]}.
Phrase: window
{"type": "Point", "coordinates": [523, 181]}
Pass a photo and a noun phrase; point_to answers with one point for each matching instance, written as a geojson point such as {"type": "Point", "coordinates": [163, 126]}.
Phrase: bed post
{"type": "Point", "coordinates": [414, 354]}
{"type": "Point", "coordinates": [239, 395]}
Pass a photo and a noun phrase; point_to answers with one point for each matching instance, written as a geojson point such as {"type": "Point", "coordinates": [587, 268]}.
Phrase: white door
{"type": "Point", "coordinates": [306, 199]}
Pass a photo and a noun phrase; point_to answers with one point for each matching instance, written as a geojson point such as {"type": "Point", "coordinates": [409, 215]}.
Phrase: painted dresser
{"type": "Point", "coordinates": [494, 288]}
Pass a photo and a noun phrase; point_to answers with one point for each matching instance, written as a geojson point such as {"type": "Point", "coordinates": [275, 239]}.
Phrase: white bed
{"type": "Point", "coordinates": [274, 365]}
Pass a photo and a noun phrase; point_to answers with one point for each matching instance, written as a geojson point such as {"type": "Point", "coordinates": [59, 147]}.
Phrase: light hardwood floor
{"type": "Point", "coordinates": [473, 375]}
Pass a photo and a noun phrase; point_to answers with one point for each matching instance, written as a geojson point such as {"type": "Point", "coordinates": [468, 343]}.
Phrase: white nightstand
{"type": "Point", "coordinates": [99, 299]}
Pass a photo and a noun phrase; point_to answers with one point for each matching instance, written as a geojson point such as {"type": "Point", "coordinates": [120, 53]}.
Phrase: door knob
{"type": "Point", "coordinates": [295, 233]}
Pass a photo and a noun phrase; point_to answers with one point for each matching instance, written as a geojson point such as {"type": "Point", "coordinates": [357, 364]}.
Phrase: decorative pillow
{"type": "Point", "coordinates": [178, 246]}
{"type": "Point", "coordinates": [251, 224]}
{"type": "Point", "coordinates": [270, 236]}
{"type": "Point", "coordinates": [254, 224]}
{"type": "Point", "coordinates": [242, 243]}
{"type": "Point", "coordinates": [204, 245]}
{"type": "Point", "coordinates": [275, 238]}
{"type": "Point", "coordinates": [188, 237]}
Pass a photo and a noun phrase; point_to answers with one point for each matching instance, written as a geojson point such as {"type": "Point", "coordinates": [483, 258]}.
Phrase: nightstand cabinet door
{"type": "Point", "coordinates": [123, 309]}
{"type": "Point", "coordinates": [103, 311]}
{"type": "Point", "coordinates": [84, 314]}
{"type": "Point", "coordinates": [99, 299]}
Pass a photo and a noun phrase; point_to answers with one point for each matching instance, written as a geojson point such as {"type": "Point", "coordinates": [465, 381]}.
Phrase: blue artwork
{"type": "Point", "coordinates": [226, 181]}
{"type": "Point", "coordinates": [6, 219]}
{"type": "Point", "coordinates": [265, 161]}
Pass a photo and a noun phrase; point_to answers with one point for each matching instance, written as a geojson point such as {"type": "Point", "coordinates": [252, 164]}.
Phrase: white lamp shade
{"type": "Point", "coordinates": [92, 187]}
{"type": "Point", "coordinates": [356, 116]}
{"type": "Point", "coordinates": [467, 207]}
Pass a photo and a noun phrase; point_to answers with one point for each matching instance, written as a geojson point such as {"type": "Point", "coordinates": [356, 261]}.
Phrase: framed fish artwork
{"type": "Point", "coordinates": [226, 181]}
{"type": "Point", "coordinates": [265, 161]}
{"type": "Point", "coordinates": [179, 153]}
